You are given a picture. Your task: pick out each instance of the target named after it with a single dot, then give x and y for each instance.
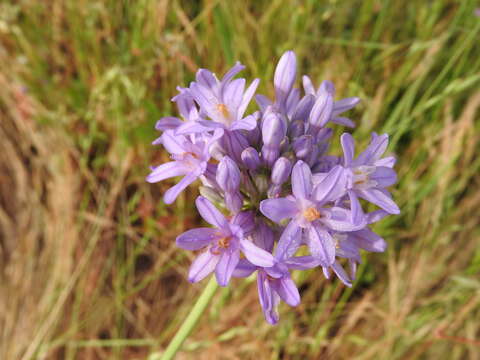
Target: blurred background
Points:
(88, 263)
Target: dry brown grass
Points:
(88, 266)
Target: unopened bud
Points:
(250, 158)
(323, 107)
(273, 129)
(228, 175)
(281, 171)
(284, 77)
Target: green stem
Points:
(191, 320)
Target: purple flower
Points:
(190, 160)
(322, 108)
(224, 102)
(339, 106)
(307, 210)
(348, 245)
(368, 175)
(187, 109)
(221, 246)
(275, 283)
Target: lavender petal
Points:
(167, 170)
(168, 123)
(342, 275)
(256, 255)
(202, 266)
(225, 267)
(379, 198)
(332, 186)
(301, 180)
(172, 193)
(321, 245)
(348, 146)
(288, 291)
(210, 213)
(278, 209)
(196, 239)
(244, 269)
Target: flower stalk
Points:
(191, 320)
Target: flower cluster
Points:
(270, 186)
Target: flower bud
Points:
(284, 77)
(250, 158)
(323, 107)
(273, 129)
(228, 175)
(281, 171)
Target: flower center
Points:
(224, 242)
(222, 109)
(361, 176)
(311, 214)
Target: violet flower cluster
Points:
(270, 188)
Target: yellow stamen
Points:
(224, 242)
(311, 214)
(222, 108)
